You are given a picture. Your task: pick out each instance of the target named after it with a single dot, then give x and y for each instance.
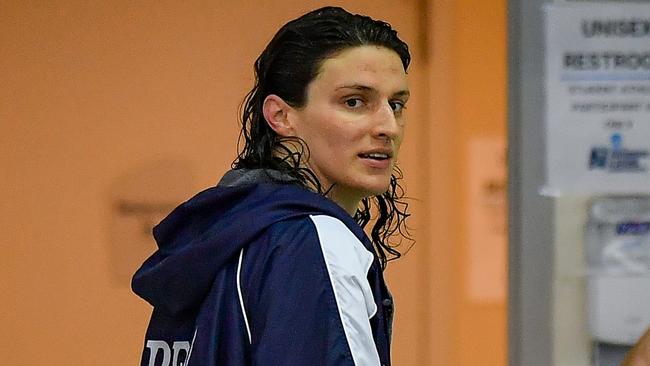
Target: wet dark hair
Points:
(285, 68)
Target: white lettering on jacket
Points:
(167, 352)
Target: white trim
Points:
(189, 353)
(347, 262)
(241, 298)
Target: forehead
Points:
(372, 66)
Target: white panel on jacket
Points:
(348, 262)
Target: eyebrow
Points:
(402, 93)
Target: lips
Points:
(377, 155)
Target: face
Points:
(353, 122)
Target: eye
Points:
(397, 105)
(354, 102)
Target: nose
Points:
(387, 126)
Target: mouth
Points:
(378, 156)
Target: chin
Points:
(376, 189)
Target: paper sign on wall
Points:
(598, 99)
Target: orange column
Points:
(467, 93)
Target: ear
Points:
(276, 112)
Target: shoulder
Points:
(316, 252)
(341, 248)
(327, 232)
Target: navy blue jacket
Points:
(261, 271)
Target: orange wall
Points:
(94, 93)
(467, 94)
(480, 110)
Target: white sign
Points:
(598, 99)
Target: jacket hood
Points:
(203, 234)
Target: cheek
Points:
(330, 134)
(399, 139)
(331, 145)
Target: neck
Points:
(347, 202)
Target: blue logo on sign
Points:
(617, 141)
(632, 228)
(616, 158)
